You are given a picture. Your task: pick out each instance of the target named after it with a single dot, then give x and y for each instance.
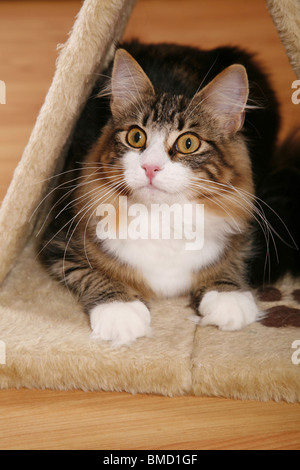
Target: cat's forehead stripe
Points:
(145, 119)
(181, 123)
(166, 109)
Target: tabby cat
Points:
(164, 125)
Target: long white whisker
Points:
(218, 203)
(74, 201)
(93, 212)
(265, 226)
(85, 209)
(259, 202)
(73, 188)
(62, 228)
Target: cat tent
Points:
(44, 335)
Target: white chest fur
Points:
(167, 264)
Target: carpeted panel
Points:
(255, 363)
(48, 345)
(286, 17)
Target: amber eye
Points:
(136, 138)
(188, 143)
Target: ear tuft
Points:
(129, 82)
(226, 96)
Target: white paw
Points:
(228, 310)
(120, 322)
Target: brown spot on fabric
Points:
(269, 294)
(296, 295)
(281, 316)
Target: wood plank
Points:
(32, 419)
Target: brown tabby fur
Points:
(68, 246)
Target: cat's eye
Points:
(136, 138)
(188, 143)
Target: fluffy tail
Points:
(278, 247)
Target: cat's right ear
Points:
(225, 97)
(129, 83)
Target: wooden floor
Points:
(29, 33)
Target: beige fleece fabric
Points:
(286, 17)
(44, 335)
(48, 345)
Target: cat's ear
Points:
(225, 97)
(129, 82)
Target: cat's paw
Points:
(120, 322)
(228, 310)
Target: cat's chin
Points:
(153, 195)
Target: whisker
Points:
(88, 221)
(218, 203)
(73, 188)
(73, 202)
(89, 202)
(257, 209)
(277, 215)
(51, 192)
(95, 200)
(69, 222)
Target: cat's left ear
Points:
(129, 83)
(225, 97)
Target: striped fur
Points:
(171, 93)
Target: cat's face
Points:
(161, 148)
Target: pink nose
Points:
(151, 170)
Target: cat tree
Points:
(45, 333)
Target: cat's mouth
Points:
(153, 187)
(154, 194)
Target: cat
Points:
(167, 125)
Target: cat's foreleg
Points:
(117, 314)
(225, 304)
(120, 322)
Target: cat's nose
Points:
(151, 170)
